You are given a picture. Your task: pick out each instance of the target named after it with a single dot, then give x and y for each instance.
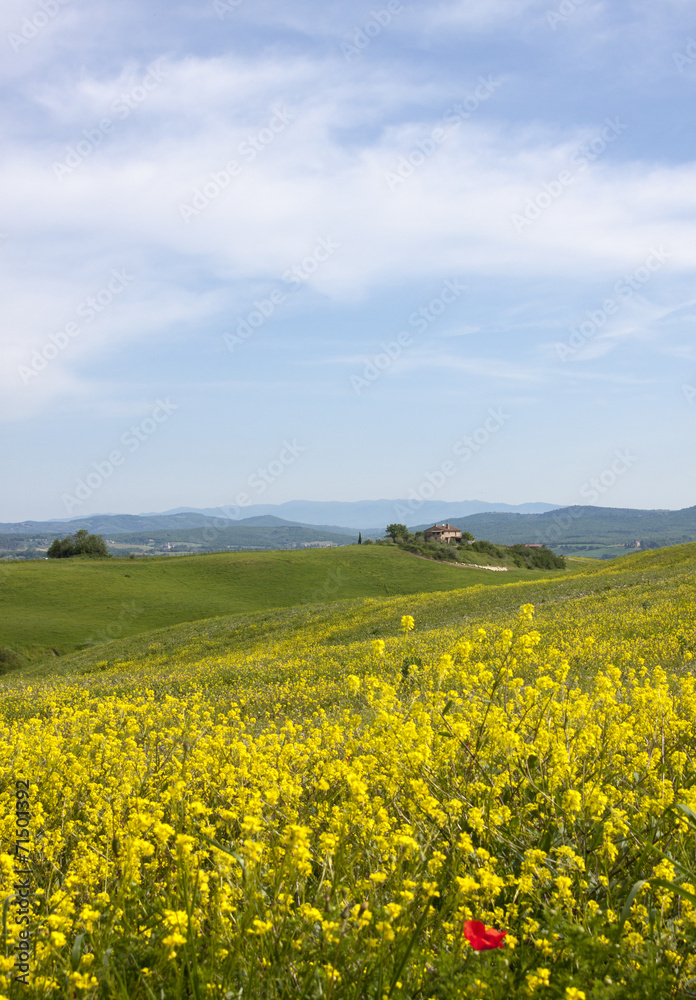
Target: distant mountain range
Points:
(587, 530)
(117, 524)
(571, 526)
(364, 514)
(360, 515)
(109, 524)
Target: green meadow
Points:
(192, 607)
(59, 606)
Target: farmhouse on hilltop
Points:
(442, 533)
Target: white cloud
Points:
(318, 176)
(490, 368)
(480, 14)
(685, 352)
(461, 331)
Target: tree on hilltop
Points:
(79, 544)
(396, 531)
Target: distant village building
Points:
(442, 533)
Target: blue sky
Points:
(335, 240)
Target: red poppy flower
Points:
(482, 938)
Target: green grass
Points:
(64, 605)
(356, 619)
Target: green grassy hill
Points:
(66, 604)
(318, 801)
(587, 584)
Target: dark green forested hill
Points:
(572, 529)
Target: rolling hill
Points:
(524, 738)
(61, 605)
(341, 618)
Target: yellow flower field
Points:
(318, 818)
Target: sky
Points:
(255, 251)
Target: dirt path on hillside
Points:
(446, 562)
